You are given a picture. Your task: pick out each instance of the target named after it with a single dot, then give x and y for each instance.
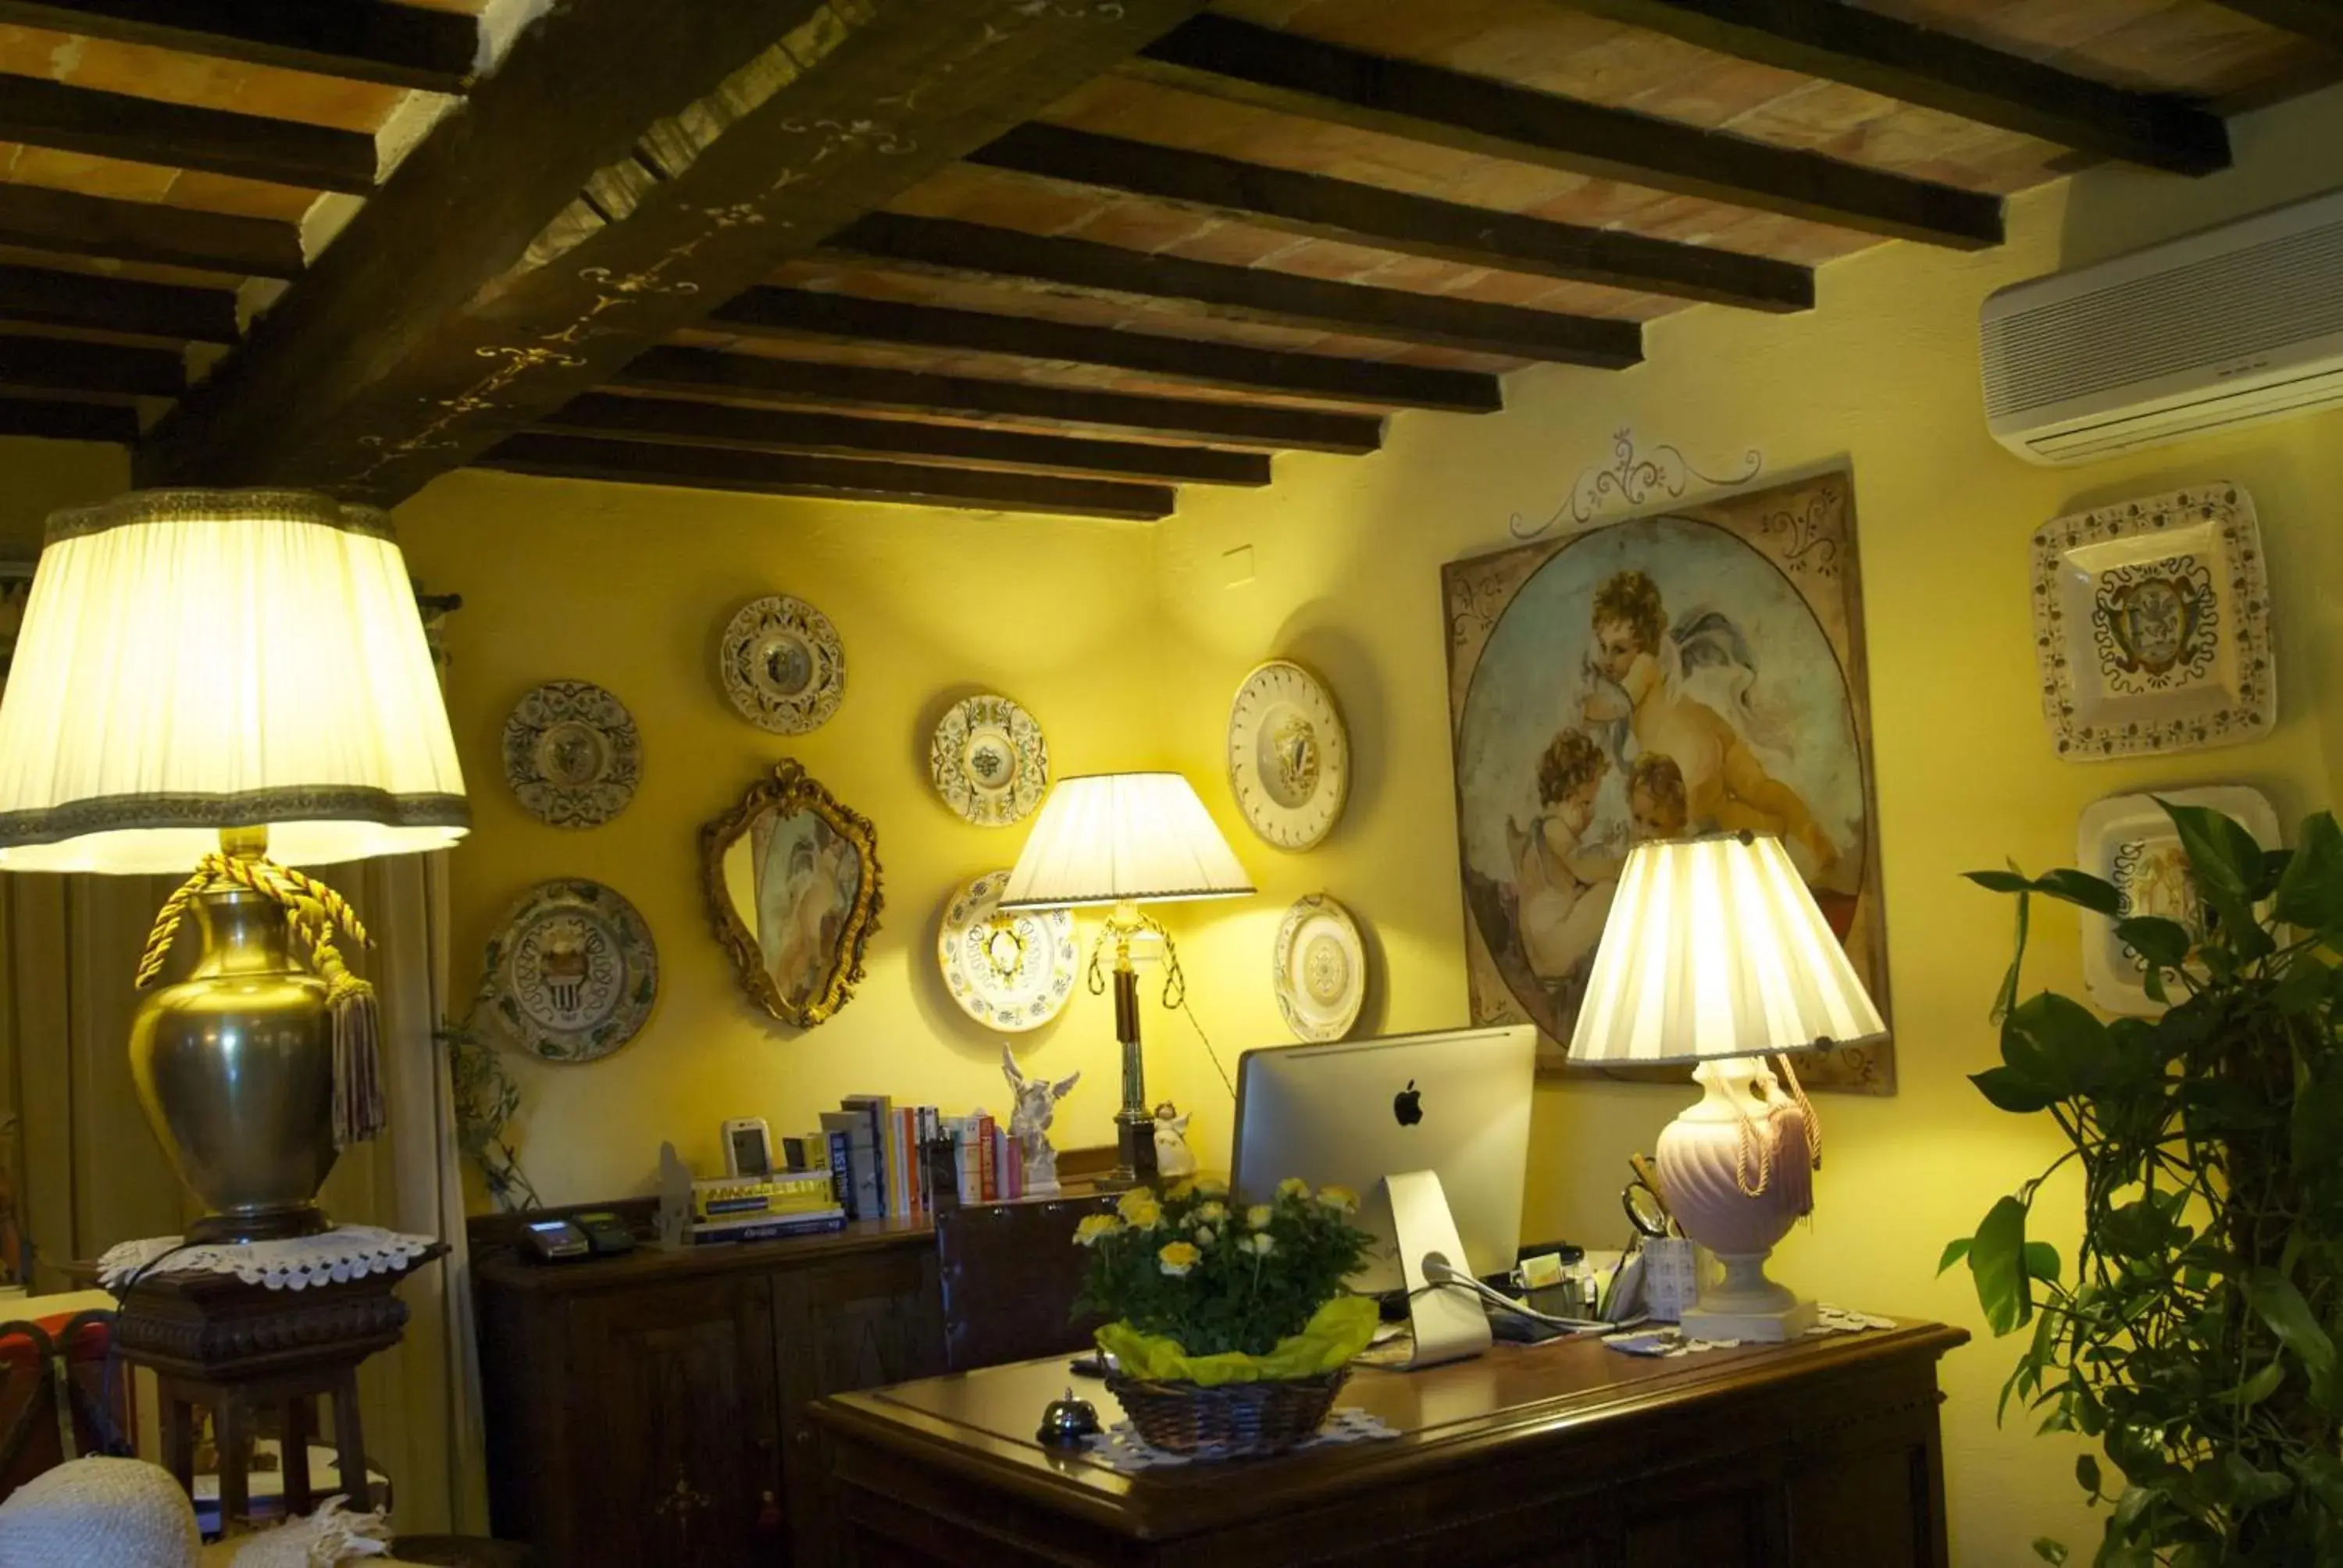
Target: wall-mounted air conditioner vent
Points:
(2240, 323)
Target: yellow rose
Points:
(1176, 1258)
(1293, 1186)
(1263, 1243)
(1211, 1214)
(1139, 1210)
(1260, 1215)
(1341, 1200)
(1205, 1235)
(1181, 1189)
(1094, 1228)
(1212, 1189)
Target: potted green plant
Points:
(2194, 1337)
(1230, 1325)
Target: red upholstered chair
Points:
(55, 1401)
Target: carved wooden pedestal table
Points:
(239, 1339)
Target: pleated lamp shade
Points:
(196, 659)
(1714, 949)
(1111, 838)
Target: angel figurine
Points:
(1037, 1104)
(1174, 1157)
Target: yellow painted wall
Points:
(1883, 376)
(629, 587)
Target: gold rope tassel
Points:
(313, 910)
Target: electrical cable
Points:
(1446, 1275)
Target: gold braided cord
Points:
(313, 910)
(1805, 1106)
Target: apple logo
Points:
(1407, 1105)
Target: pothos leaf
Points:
(1997, 1263)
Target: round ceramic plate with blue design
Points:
(1011, 971)
(572, 972)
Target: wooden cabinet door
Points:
(675, 1424)
(853, 1322)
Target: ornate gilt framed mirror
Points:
(792, 883)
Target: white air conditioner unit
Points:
(2239, 323)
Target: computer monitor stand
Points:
(1449, 1322)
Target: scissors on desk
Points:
(1646, 1209)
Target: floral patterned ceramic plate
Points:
(1012, 971)
(781, 665)
(2129, 840)
(2151, 625)
(572, 754)
(1289, 755)
(1319, 970)
(988, 762)
(574, 973)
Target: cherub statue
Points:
(1174, 1157)
(1037, 1103)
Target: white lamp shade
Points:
(1108, 837)
(1714, 949)
(195, 659)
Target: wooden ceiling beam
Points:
(796, 313)
(40, 113)
(1898, 59)
(2320, 21)
(833, 479)
(104, 370)
(1236, 61)
(1326, 209)
(946, 247)
(626, 167)
(667, 419)
(68, 421)
(762, 381)
(38, 218)
(40, 296)
(361, 40)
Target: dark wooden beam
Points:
(68, 421)
(945, 247)
(38, 297)
(760, 381)
(1896, 59)
(667, 419)
(1364, 215)
(837, 478)
(795, 313)
(89, 369)
(1222, 57)
(2320, 21)
(45, 113)
(363, 40)
(38, 218)
(626, 167)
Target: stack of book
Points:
(893, 1161)
(763, 1208)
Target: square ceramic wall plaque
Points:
(2129, 841)
(2151, 626)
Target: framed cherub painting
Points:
(1695, 670)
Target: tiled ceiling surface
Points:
(2193, 49)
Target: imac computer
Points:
(1432, 1131)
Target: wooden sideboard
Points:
(651, 1411)
(1822, 1453)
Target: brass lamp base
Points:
(260, 1225)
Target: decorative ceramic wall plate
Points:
(1008, 970)
(781, 665)
(1320, 969)
(2151, 624)
(2129, 840)
(572, 754)
(988, 762)
(1289, 755)
(573, 973)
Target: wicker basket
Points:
(1236, 1418)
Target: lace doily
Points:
(1120, 1446)
(1671, 1341)
(330, 1258)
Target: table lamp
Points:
(1715, 953)
(1124, 840)
(202, 678)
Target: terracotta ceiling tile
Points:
(30, 52)
(1140, 225)
(1233, 244)
(246, 198)
(89, 175)
(1008, 201)
(106, 266)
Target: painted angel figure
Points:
(1682, 692)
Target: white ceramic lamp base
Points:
(1700, 1165)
